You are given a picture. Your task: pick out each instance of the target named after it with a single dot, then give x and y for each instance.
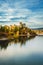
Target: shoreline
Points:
(17, 31)
(39, 32)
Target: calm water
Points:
(22, 52)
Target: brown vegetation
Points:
(16, 31)
(38, 32)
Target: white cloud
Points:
(0, 17)
(37, 17)
(26, 3)
(6, 19)
(15, 13)
(4, 7)
(25, 14)
(19, 10)
(19, 4)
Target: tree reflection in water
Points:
(3, 44)
(22, 40)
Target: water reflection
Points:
(29, 53)
(22, 40)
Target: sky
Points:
(29, 11)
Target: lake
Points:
(22, 52)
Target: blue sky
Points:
(30, 11)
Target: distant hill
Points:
(37, 28)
